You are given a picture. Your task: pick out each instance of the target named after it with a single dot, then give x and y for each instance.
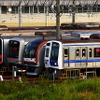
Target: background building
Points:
(42, 12)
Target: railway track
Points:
(5, 77)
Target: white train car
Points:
(72, 54)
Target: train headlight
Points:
(55, 63)
(46, 62)
(18, 62)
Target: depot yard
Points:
(68, 89)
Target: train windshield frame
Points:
(31, 48)
(54, 51)
(13, 49)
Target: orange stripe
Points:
(37, 51)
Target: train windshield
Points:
(0, 46)
(30, 49)
(54, 51)
(13, 49)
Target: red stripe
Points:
(29, 62)
(12, 58)
(0, 56)
(1, 62)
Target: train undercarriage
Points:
(73, 73)
(55, 73)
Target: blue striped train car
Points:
(71, 54)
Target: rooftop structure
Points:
(47, 9)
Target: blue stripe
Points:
(75, 61)
(82, 61)
(52, 62)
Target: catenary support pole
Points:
(58, 19)
(20, 13)
(73, 12)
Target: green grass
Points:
(70, 89)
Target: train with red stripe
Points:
(15, 54)
(23, 54)
(33, 58)
(54, 56)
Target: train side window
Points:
(65, 52)
(77, 52)
(47, 52)
(83, 52)
(96, 52)
(90, 52)
(48, 44)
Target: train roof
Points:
(37, 40)
(17, 39)
(95, 36)
(79, 41)
(85, 32)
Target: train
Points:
(54, 57)
(34, 56)
(73, 54)
(16, 51)
(84, 34)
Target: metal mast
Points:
(73, 12)
(58, 19)
(20, 12)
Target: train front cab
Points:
(34, 57)
(15, 55)
(77, 56)
(53, 58)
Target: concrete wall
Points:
(45, 20)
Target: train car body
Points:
(84, 34)
(3, 50)
(16, 48)
(34, 56)
(72, 54)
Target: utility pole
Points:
(20, 12)
(58, 19)
(73, 12)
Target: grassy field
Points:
(67, 90)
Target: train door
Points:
(84, 57)
(90, 57)
(47, 55)
(78, 57)
(66, 57)
(81, 57)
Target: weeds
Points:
(67, 90)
